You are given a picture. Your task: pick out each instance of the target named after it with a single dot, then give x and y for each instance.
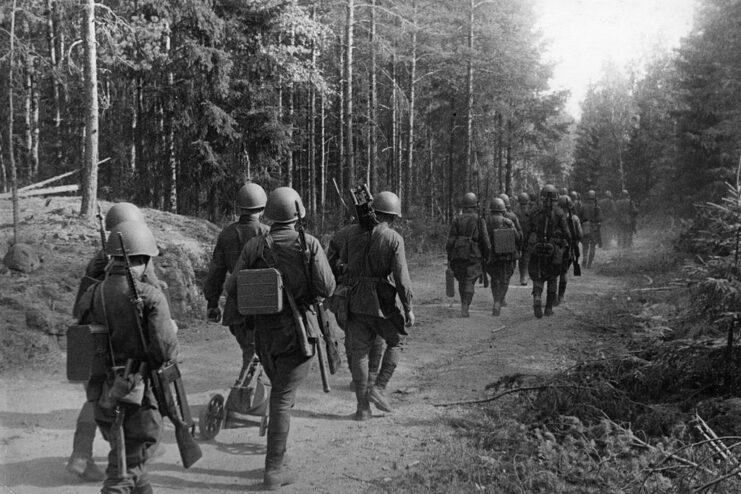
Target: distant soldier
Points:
(81, 461)
(576, 201)
(570, 254)
(523, 216)
(467, 247)
(548, 237)
(340, 275)
(276, 340)
(110, 303)
(377, 271)
(504, 251)
(251, 201)
(625, 219)
(591, 222)
(510, 215)
(607, 206)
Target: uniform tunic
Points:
(546, 268)
(466, 231)
(142, 423)
(499, 266)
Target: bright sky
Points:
(583, 34)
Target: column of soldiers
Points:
(550, 233)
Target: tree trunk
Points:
(35, 125)
(341, 133)
(373, 103)
(3, 171)
(11, 155)
(469, 97)
(508, 172)
(90, 167)
(430, 164)
(391, 173)
(348, 112)
(312, 130)
(500, 151)
(410, 136)
(28, 133)
(323, 160)
(170, 142)
(51, 8)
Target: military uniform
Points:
(276, 340)
(510, 215)
(607, 207)
(625, 215)
(499, 266)
(338, 269)
(467, 246)
(373, 258)
(523, 216)
(228, 248)
(548, 238)
(591, 220)
(575, 232)
(142, 423)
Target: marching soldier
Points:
(109, 303)
(503, 252)
(625, 219)
(591, 219)
(251, 201)
(372, 258)
(607, 206)
(576, 201)
(510, 215)
(276, 339)
(467, 246)
(570, 253)
(523, 216)
(81, 461)
(547, 234)
(338, 269)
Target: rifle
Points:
(482, 219)
(162, 377)
(119, 439)
(362, 198)
(101, 228)
(323, 341)
(575, 244)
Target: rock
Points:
(22, 257)
(39, 320)
(175, 268)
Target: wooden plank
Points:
(54, 179)
(43, 192)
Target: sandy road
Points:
(446, 358)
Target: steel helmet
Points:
(591, 195)
(504, 197)
(548, 193)
(564, 201)
(608, 194)
(625, 193)
(137, 237)
(523, 198)
(251, 196)
(120, 212)
(497, 205)
(469, 200)
(564, 191)
(574, 195)
(281, 205)
(387, 202)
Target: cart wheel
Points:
(211, 417)
(263, 425)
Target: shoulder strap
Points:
(105, 317)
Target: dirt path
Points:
(446, 359)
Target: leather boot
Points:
(363, 412)
(274, 479)
(372, 376)
(496, 310)
(561, 292)
(277, 474)
(537, 306)
(550, 297)
(375, 396)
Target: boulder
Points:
(22, 257)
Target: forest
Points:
(175, 104)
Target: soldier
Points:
(570, 253)
(339, 271)
(81, 461)
(607, 206)
(372, 258)
(510, 215)
(547, 237)
(467, 246)
(501, 259)
(591, 219)
(625, 219)
(109, 303)
(576, 201)
(251, 201)
(523, 216)
(276, 339)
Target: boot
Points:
(363, 412)
(464, 311)
(523, 281)
(375, 396)
(497, 309)
(561, 293)
(372, 376)
(550, 297)
(537, 306)
(274, 479)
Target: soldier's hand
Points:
(409, 318)
(213, 314)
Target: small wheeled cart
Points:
(246, 406)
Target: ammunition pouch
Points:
(122, 388)
(545, 249)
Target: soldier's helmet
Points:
(564, 202)
(120, 212)
(548, 193)
(574, 195)
(608, 194)
(469, 200)
(504, 197)
(251, 196)
(523, 198)
(388, 202)
(137, 240)
(564, 191)
(533, 196)
(281, 206)
(497, 205)
(625, 193)
(591, 195)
